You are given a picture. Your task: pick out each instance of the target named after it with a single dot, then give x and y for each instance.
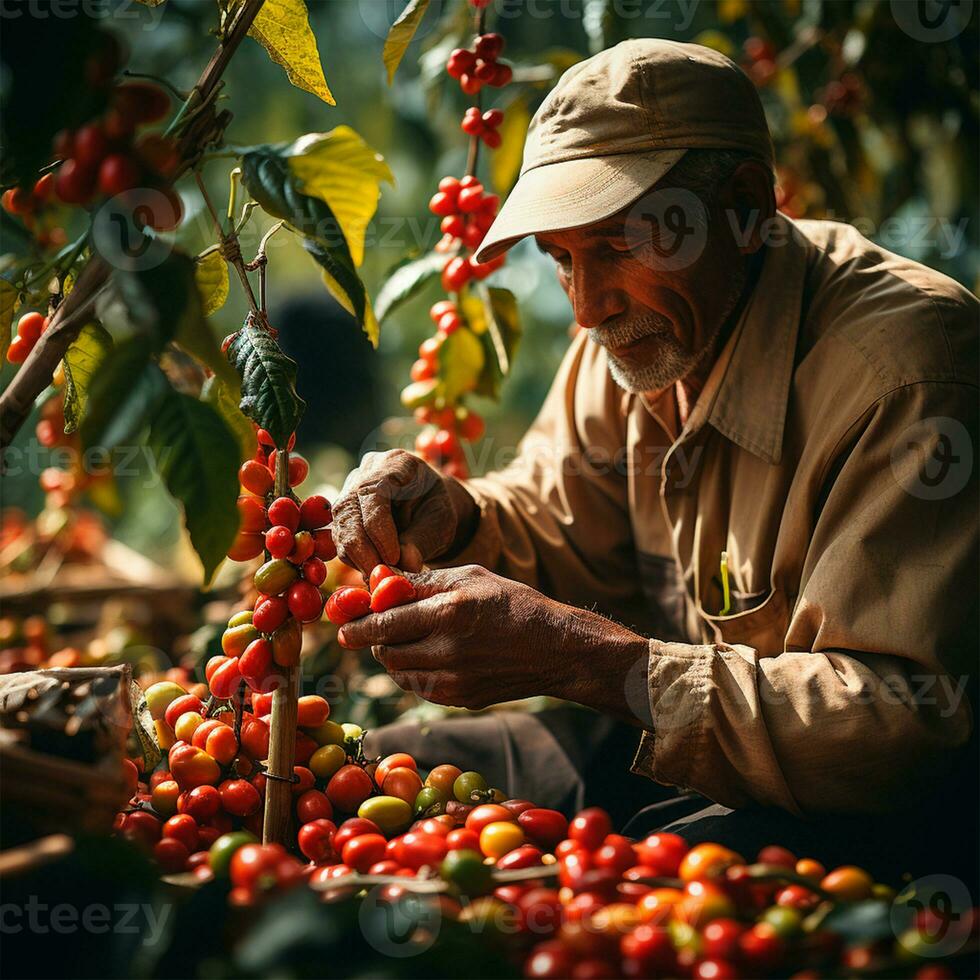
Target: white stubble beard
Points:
(672, 362)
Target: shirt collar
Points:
(750, 401)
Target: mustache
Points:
(621, 334)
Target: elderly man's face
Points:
(658, 315)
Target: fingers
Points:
(432, 527)
(440, 687)
(411, 558)
(437, 581)
(378, 521)
(403, 624)
(425, 654)
(354, 545)
(388, 494)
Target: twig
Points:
(37, 370)
(261, 261)
(230, 250)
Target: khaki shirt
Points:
(831, 455)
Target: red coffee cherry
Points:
(315, 512)
(284, 511)
(305, 601)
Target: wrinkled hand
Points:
(472, 639)
(396, 509)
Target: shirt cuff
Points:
(678, 681)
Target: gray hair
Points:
(703, 171)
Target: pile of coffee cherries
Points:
(589, 903)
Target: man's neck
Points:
(690, 387)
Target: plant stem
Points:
(282, 728)
(229, 245)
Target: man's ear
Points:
(749, 201)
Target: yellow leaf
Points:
(8, 300)
(505, 164)
(371, 327)
(345, 173)
(282, 27)
(401, 34)
(211, 276)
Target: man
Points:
(757, 454)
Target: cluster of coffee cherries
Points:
(483, 124)
(33, 207)
(445, 430)
(104, 157)
(29, 328)
(467, 211)
(297, 542)
(386, 589)
(478, 66)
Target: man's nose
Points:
(595, 296)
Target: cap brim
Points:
(573, 193)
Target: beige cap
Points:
(615, 124)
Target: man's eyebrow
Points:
(611, 226)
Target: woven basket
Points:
(42, 792)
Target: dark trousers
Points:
(568, 758)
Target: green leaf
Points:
(194, 333)
(400, 35)
(143, 727)
(268, 376)
(405, 280)
(8, 303)
(123, 395)
(15, 239)
(505, 163)
(197, 455)
(282, 27)
(159, 299)
(866, 921)
(492, 312)
(269, 179)
(211, 276)
(215, 392)
(345, 173)
(81, 362)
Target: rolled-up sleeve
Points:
(867, 703)
(557, 516)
